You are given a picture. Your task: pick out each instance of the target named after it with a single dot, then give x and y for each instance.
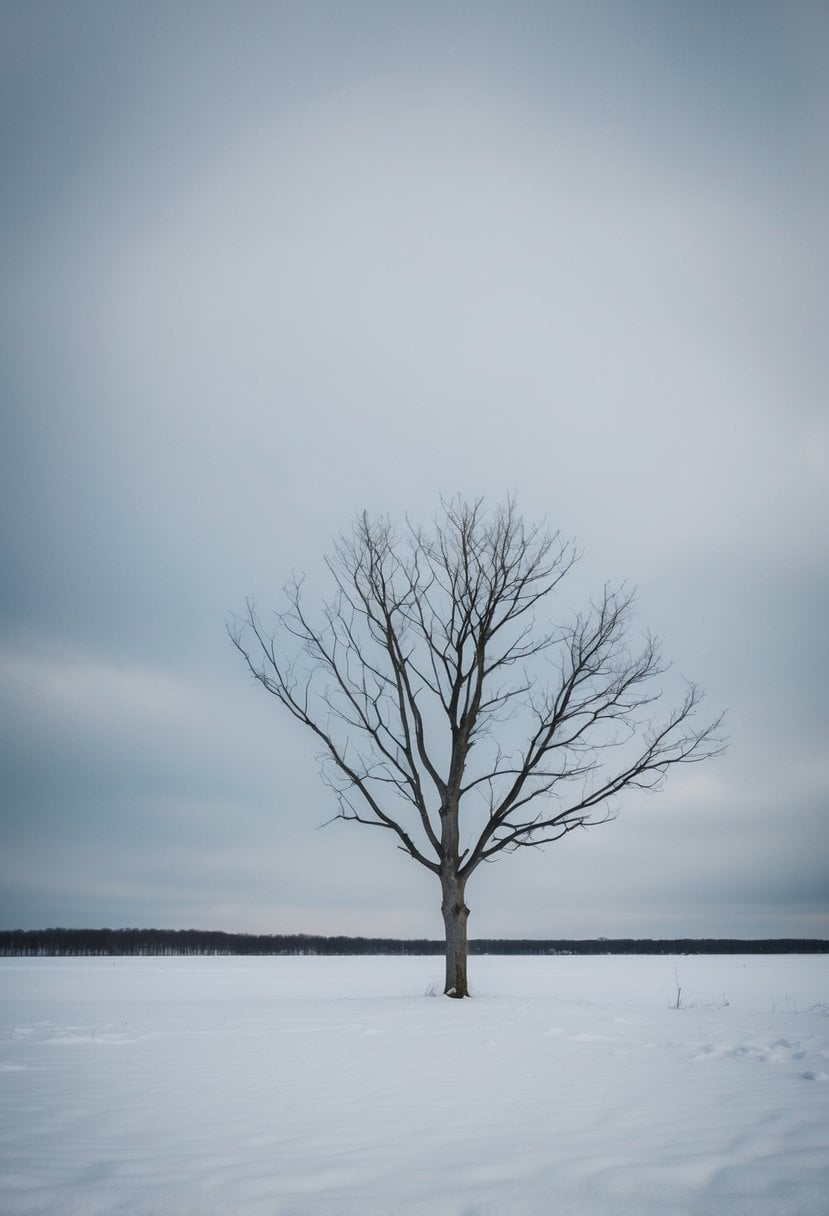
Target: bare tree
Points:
(450, 714)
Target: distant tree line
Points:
(62, 943)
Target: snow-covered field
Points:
(338, 1087)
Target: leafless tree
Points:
(451, 713)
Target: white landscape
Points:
(567, 1086)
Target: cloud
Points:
(261, 271)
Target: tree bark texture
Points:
(455, 917)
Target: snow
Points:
(339, 1087)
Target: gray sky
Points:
(265, 265)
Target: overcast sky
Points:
(267, 264)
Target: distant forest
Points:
(59, 943)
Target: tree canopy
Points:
(454, 710)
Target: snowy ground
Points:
(338, 1087)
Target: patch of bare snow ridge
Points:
(335, 1087)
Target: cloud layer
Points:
(266, 267)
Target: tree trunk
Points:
(455, 915)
